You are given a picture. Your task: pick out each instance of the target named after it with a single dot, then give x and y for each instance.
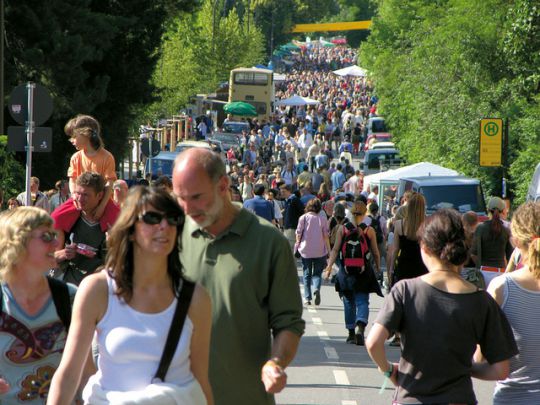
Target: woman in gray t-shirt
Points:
(441, 319)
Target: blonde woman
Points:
(131, 305)
(32, 333)
(409, 262)
(518, 294)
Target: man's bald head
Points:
(195, 159)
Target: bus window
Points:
(251, 78)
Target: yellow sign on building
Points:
(491, 140)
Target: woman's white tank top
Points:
(131, 344)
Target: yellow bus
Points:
(254, 86)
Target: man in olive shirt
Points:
(248, 269)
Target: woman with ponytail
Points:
(441, 318)
(518, 294)
(84, 132)
(491, 245)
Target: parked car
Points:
(534, 188)
(235, 127)
(226, 140)
(459, 192)
(380, 160)
(376, 138)
(163, 163)
(376, 125)
(382, 145)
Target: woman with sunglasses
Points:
(32, 335)
(131, 305)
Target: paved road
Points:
(327, 371)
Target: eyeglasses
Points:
(357, 214)
(154, 218)
(47, 237)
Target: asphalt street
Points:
(327, 371)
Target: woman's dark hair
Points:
(120, 254)
(443, 235)
(314, 205)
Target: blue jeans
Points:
(313, 269)
(356, 308)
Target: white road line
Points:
(347, 402)
(331, 353)
(317, 321)
(323, 335)
(312, 310)
(341, 377)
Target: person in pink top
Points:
(84, 132)
(313, 244)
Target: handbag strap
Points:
(182, 306)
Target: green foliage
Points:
(12, 176)
(438, 72)
(198, 53)
(95, 57)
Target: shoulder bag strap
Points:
(182, 306)
(61, 299)
(479, 251)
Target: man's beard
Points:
(213, 214)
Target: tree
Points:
(438, 71)
(95, 57)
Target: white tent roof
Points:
(415, 170)
(297, 100)
(351, 71)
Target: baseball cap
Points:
(496, 203)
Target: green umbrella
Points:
(240, 108)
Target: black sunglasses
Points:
(154, 218)
(47, 236)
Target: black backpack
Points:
(61, 299)
(376, 225)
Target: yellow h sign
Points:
(491, 133)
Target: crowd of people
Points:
(95, 274)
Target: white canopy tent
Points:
(351, 71)
(297, 101)
(389, 180)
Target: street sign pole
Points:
(29, 134)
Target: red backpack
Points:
(354, 248)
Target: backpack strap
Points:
(61, 299)
(182, 306)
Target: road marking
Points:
(341, 377)
(323, 335)
(347, 402)
(317, 321)
(331, 353)
(312, 310)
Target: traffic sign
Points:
(145, 147)
(491, 137)
(18, 104)
(42, 139)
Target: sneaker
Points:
(317, 295)
(306, 303)
(351, 338)
(359, 334)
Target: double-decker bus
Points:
(254, 86)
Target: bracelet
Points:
(388, 373)
(274, 361)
